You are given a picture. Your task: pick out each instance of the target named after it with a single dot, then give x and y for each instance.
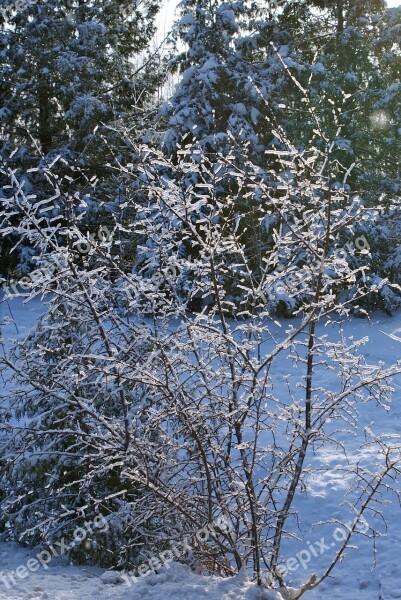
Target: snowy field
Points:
(369, 572)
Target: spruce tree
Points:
(350, 53)
(246, 73)
(230, 77)
(72, 70)
(68, 68)
(226, 103)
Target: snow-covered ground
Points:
(73, 583)
(369, 572)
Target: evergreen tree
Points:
(325, 71)
(71, 71)
(183, 422)
(346, 77)
(227, 102)
(231, 77)
(60, 481)
(351, 81)
(68, 67)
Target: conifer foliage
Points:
(68, 69)
(151, 389)
(169, 420)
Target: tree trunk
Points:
(340, 16)
(44, 130)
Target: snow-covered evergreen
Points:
(161, 388)
(71, 71)
(169, 421)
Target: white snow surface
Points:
(60, 582)
(367, 573)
